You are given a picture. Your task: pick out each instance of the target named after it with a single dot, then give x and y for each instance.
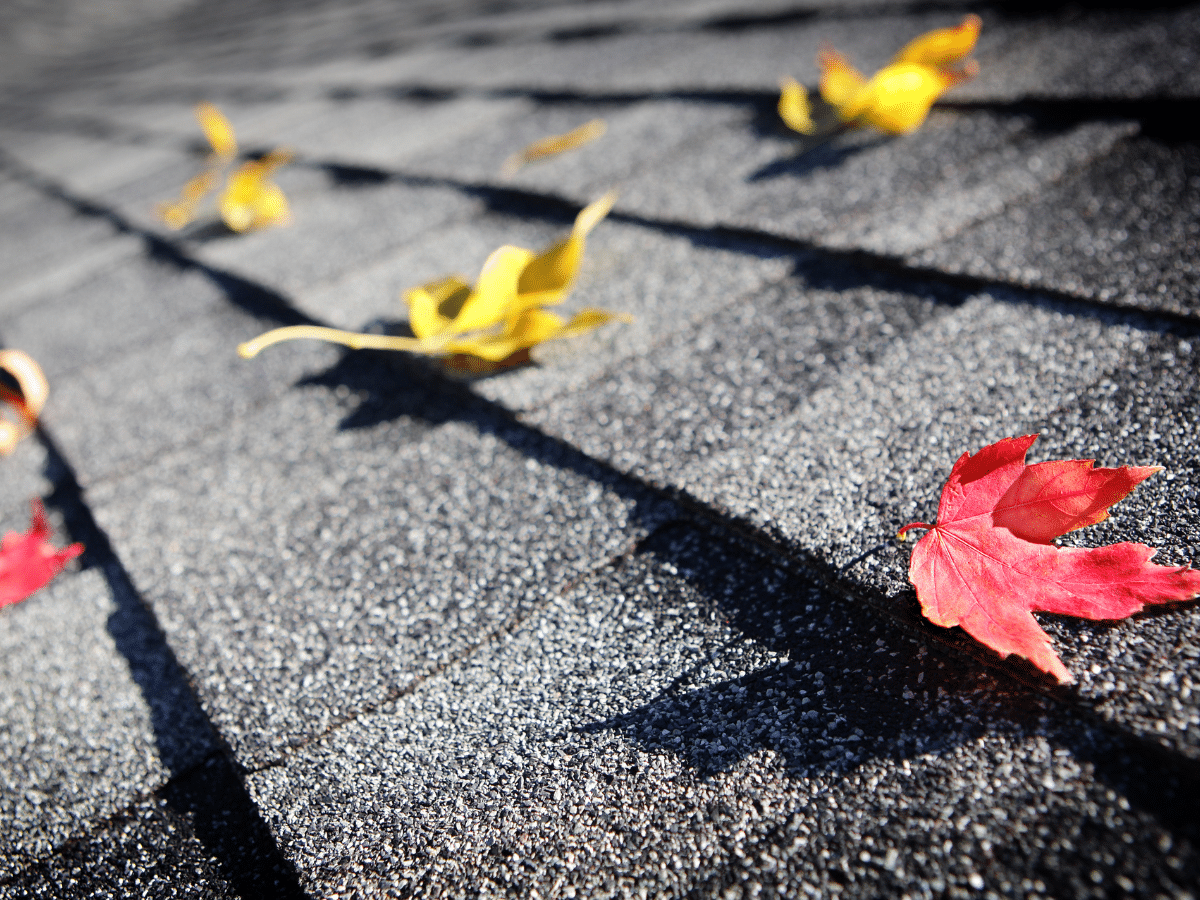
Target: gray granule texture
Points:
(395, 543)
(89, 722)
(1123, 230)
(147, 850)
(696, 719)
(630, 620)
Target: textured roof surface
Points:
(630, 621)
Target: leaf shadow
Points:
(817, 155)
(853, 688)
(390, 387)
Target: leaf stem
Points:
(900, 533)
(354, 341)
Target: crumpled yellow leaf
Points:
(794, 108)
(249, 199)
(25, 403)
(497, 319)
(942, 47)
(898, 97)
(218, 131)
(554, 145)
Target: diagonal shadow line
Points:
(205, 786)
(370, 369)
(265, 303)
(556, 207)
(251, 297)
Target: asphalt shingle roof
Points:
(630, 621)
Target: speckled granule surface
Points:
(630, 621)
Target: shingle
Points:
(457, 635)
(1123, 229)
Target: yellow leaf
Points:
(942, 46)
(794, 108)
(249, 200)
(554, 145)
(549, 276)
(218, 131)
(496, 321)
(898, 97)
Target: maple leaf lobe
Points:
(28, 561)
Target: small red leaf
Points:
(29, 561)
(988, 563)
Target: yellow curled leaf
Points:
(841, 83)
(433, 306)
(554, 145)
(26, 402)
(549, 275)
(942, 46)
(495, 322)
(794, 108)
(249, 200)
(897, 99)
(218, 131)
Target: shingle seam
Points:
(507, 627)
(524, 202)
(954, 645)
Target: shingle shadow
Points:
(393, 386)
(855, 688)
(204, 789)
(812, 156)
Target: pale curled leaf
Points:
(22, 406)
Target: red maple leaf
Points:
(989, 563)
(28, 561)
